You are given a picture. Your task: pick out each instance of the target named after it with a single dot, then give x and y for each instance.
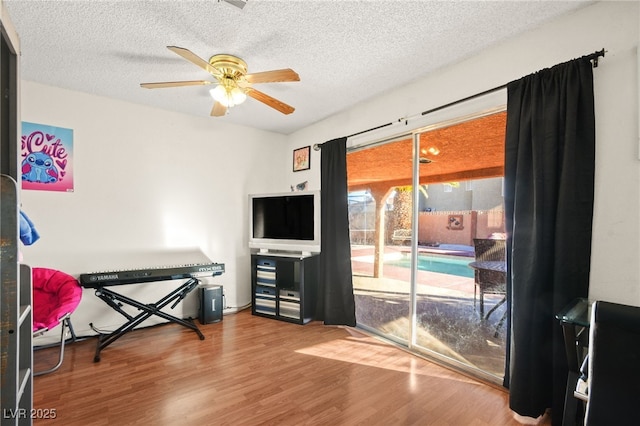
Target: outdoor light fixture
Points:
(432, 150)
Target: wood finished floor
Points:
(250, 371)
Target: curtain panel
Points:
(549, 185)
(336, 302)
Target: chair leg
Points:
(71, 330)
(475, 290)
(504, 299)
(64, 323)
(500, 324)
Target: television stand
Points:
(284, 287)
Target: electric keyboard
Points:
(134, 276)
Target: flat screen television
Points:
(285, 222)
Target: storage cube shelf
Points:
(284, 287)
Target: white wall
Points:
(148, 182)
(615, 270)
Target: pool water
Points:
(443, 265)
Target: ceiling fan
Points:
(233, 84)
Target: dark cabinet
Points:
(284, 287)
(16, 328)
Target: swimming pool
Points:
(443, 265)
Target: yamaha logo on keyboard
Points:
(213, 268)
(104, 277)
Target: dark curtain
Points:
(336, 304)
(549, 179)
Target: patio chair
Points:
(56, 295)
(490, 271)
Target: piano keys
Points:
(134, 276)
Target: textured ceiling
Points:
(344, 51)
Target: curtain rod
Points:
(592, 57)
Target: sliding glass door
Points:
(419, 207)
(381, 236)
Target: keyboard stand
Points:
(114, 300)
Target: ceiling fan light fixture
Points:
(218, 93)
(227, 95)
(238, 95)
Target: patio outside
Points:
(448, 318)
(449, 325)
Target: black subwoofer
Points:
(210, 304)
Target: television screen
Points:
(284, 217)
(285, 222)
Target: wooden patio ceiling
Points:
(469, 150)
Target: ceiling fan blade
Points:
(164, 84)
(237, 3)
(218, 110)
(269, 101)
(195, 59)
(275, 76)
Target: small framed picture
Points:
(302, 159)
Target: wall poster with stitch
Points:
(46, 156)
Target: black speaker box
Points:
(210, 304)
